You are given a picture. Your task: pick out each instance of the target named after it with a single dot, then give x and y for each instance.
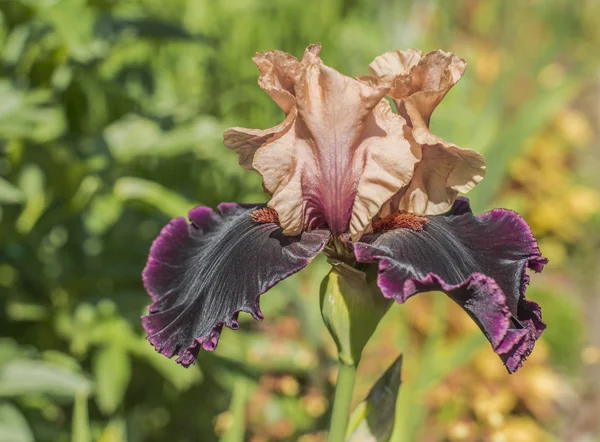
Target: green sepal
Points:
(352, 306)
(373, 419)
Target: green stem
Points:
(342, 402)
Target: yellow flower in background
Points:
(544, 179)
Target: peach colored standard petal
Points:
(277, 73)
(395, 62)
(287, 166)
(245, 142)
(315, 170)
(421, 82)
(443, 172)
(389, 161)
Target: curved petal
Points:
(389, 162)
(289, 172)
(420, 84)
(277, 73)
(479, 261)
(245, 142)
(202, 274)
(342, 159)
(395, 62)
(443, 172)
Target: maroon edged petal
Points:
(478, 261)
(200, 275)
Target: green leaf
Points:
(254, 351)
(16, 42)
(134, 136)
(103, 212)
(29, 114)
(373, 418)
(73, 22)
(87, 189)
(38, 377)
(13, 426)
(112, 372)
(81, 421)
(566, 341)
(436, 361)
(167, 201)
(25, 311)
(180, 377)
(452, 357)
(411, 409)
(237, 419)
(150, 28)
(115, 431)
(32, 186)
(9, 194)
(9, 350)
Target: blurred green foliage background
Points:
(111, 120)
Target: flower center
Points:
(264, 216)
(410, 221)
(400, 221)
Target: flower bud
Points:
(351, 306)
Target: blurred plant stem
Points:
(342, 402)
(351, 308)
(237, 428)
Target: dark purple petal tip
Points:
(201, 274)
(479, 261)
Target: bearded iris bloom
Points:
(370, 187)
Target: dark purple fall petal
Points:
(479, 261)
(202, 274)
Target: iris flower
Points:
(370, 187)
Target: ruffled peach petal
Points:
(395, 62)
(245, 141)
(443, 172)
(389, 160)
(335, 110)
(421, 82)
(285, 164)
(344, 156)
(277, 73)
(430, 81)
